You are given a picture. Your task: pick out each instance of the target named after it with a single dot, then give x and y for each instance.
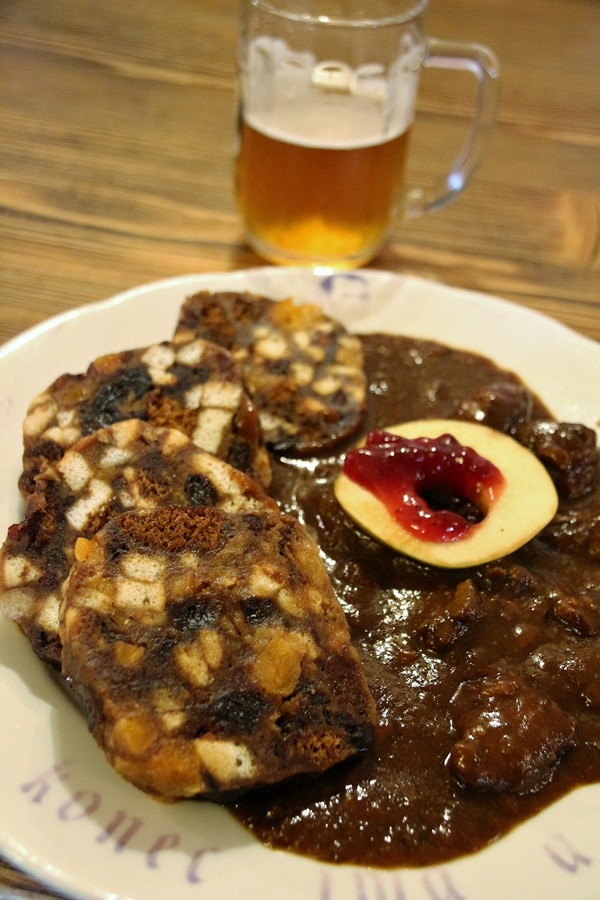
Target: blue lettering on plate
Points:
(120, 828)
(375, 886)
(565, 855)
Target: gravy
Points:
(446, 652)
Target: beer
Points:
(327, 97)
(329, 205)
(322, 153)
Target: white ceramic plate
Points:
(68, 819)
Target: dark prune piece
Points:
(114, 400)
(200, 491)
(193, 613)
(239, 711)
(258, 610)
(239, 456)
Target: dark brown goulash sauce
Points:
(534, 616)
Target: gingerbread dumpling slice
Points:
(303, 369)
(209, 652)
(129, 465)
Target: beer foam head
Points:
(292, 96)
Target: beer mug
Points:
(327, 92)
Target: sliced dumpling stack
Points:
(195, 623)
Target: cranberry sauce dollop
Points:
(486, 680)
(434, 487)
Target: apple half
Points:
(512, 515)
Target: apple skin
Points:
(527, 502)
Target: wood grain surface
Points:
(117, 136)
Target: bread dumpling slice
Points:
(194, 386)
(129, 465)
(209, 652)
(304, 370)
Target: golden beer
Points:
(325, 205)
(327, 95)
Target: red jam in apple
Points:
(434, 487)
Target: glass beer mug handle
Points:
(481, 62)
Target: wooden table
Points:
(117, 129)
